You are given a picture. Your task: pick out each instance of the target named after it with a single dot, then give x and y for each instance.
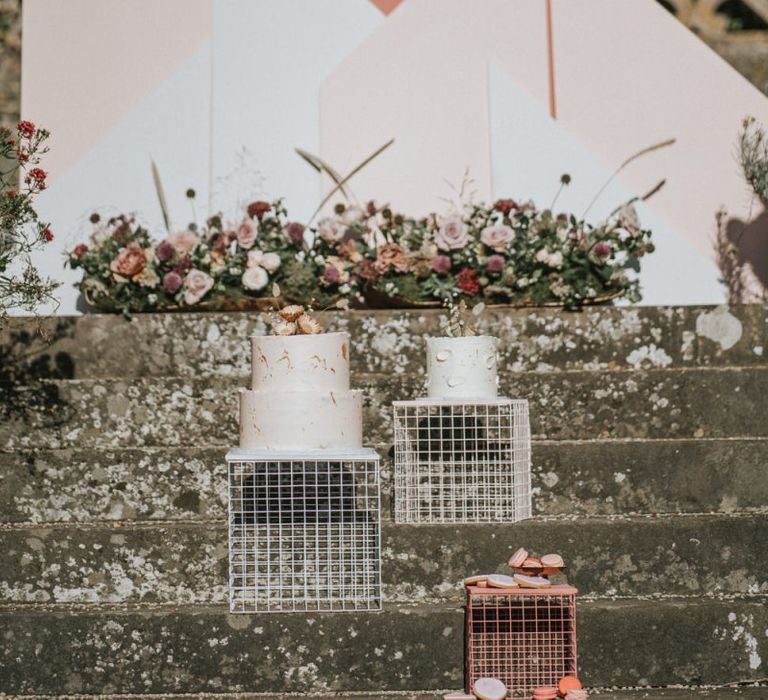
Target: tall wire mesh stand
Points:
(524, 637)
(304, 531)
(462, 462)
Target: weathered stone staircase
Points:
(651, 477)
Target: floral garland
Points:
(507, 253)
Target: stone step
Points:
(690, 403)
(100, 346)
(187, 563)
(745, 692)
(569, 478)
(206, 650)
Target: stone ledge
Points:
(622, 643)
(93, 346)
(602, 477)
(691, 403)
(186, 564)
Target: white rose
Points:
(270, 261)
(196, 285)
(542, 256)
(555, 259)
(330, 230)
(255, 278)
(254, 258)
(452, 233)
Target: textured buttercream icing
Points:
(300, 397)
(308, 363)
(462, 368)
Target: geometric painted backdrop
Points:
(219, 92)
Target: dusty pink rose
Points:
(331, 275)
(452, 233)
(495, 263)
(196, 285)
(184, 241)
(391, 256)
(247, 233)
(497, 237)
(441, 264)
(172, 282)
(130, 261)
(600, 252)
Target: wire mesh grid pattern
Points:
(304, 533)
(458, 462)
(525, 638)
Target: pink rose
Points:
(130, 261)
(497, 237)
(196, 285)
(255, 278)
(247, 233)
(184, 241)
(441, 264)
(495, 263)
(172, 282)
(452, 233)
(330, 230)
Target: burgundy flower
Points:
(26, 129)
(184, 265)
(122, 231)
(495, 263)
(505, 205)
(219, 241)
(38, 175)
(294, 232)
(600, 252)
(331, 274)
(47, 234)
(258, 209)
(80, 250)
(467, 282)
(172, 282)
(165, 251)
(441, 264)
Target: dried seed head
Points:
(284, 328)
(291, 312)
(308, 325)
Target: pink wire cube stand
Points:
(525, 637)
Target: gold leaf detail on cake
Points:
(291, 312)
(344, 350)
(308, 325)
(284, 328)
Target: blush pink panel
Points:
(629, 75)
(86, 63)
(422, 78)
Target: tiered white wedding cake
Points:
(300, 396)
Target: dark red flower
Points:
(11, 193)
(505, 205)
(122, 232)
(467, 282)
(21, 155)
(46, 234)
(294, 232)
(80, 250)
(184, 265)
(165, 251)
(26, 129)
(258, 209)
(38, 175)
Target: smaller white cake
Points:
(462, 368)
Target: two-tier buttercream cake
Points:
(300, 396)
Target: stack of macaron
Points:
(527, 572)
(482, 689)
(568, 687)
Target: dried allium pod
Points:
(291, 312)
(308, 325)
